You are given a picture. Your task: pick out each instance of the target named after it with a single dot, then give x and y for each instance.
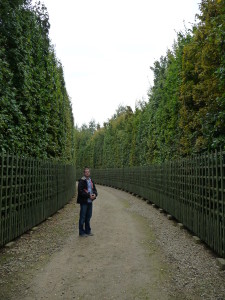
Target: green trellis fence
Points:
(31, 190)
(192, 190)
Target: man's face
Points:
(86, 172)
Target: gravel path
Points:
(136, 253)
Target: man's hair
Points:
(85, 168)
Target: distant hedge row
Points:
(185, 112)
(35, 110)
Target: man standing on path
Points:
(87, 193)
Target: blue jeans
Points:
(85, 217)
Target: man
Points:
(87, 193)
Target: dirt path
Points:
(120, 261)
(135, 253)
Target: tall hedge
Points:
(35, 110)
(203, 82)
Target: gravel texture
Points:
(194, 270)
(20, 263)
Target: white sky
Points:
(107, 47)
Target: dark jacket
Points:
(83, 193)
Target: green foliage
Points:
(163, 109)
(185, 112)
(203, 82)
(35, 110)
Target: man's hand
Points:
(92, 196)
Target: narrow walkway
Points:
(135, 253)
(118, 262)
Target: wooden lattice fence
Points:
(191, 189)
(31, 190)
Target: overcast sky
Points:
(107, 47)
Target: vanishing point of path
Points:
(135, 253)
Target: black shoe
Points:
(90, 234)
(83, 234)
